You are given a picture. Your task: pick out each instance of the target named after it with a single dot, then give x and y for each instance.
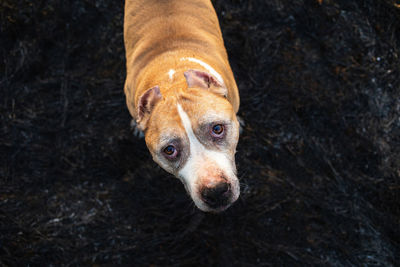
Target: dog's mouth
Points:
(216, 207)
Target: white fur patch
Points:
(171, 73)
(206, 66)
(197, 158)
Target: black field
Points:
(318, 161)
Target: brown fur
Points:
(158, 33)
(161, 35)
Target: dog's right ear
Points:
(146, 105)
(204, 80)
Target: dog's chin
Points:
(203, 206)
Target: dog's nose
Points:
(216, 196)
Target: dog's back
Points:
(159, 32)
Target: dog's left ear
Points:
(146, 105)
(204, 80)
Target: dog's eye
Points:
(170, 151)
(217, 130)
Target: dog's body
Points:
(181, 91)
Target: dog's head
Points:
(193, 134)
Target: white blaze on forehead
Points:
(210, 69)
(189, 131)
(171, 73)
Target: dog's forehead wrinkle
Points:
(185, 97)
(168, 139)
(215, 118)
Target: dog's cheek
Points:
(163, 163)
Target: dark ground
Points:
(319, 159)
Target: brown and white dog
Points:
(181, 92)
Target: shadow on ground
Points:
(318, 161)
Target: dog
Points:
(181, 93)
